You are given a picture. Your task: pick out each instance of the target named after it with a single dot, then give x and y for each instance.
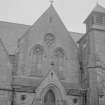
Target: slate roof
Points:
(76, 36)
(10, 32)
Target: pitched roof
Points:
(51, 15)
(99, 8)
(10, 32)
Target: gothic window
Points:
(49, 39)
(37, 57)
(59, 52)
(59, 55)
(49, 98)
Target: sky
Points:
(72, 12)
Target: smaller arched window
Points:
(59, 55)
(37, 59)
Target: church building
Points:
(52, 66)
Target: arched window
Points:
(37, 58)
(59, 55)
(49, 98)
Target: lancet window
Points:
(59, 54)
(37, 58)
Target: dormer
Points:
(96, 19)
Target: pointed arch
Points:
(37, 59)
(59, 55)
(52, 90)
(49, 98)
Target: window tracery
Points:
(38, 49)
(49, 39)
(59, 54)
(37, 58)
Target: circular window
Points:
(49, 39)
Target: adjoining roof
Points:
(76, 36)
(99, 8)
(10, 32)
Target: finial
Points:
(51, 2)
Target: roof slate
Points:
(10, 32)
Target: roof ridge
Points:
(14, 23)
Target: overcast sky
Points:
(72, 12)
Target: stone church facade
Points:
(50, 66)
